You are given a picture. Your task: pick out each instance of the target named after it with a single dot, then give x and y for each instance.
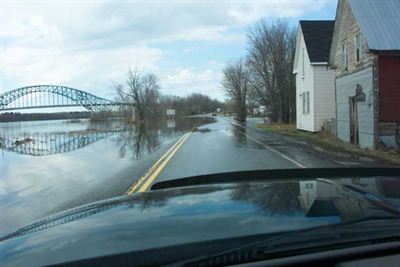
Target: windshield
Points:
(103, 99)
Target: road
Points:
(226, 146)
(68, 181)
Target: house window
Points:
(306, 102)
(344, 56)
(303, 72)
(358, 48)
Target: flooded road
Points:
(49, 166)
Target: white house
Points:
(315, 83)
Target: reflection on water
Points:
(55, 137)
(274, 199)
(356, 198)
(39, 144)
(49, 166)
(347, 198)
(309, 203)
(239, 133)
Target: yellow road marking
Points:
(162, 166)
(133, 188)
(144, 176)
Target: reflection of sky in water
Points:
(32, 186)
(35, 184)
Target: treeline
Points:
(264, 76)
(15, 116)
(190, 105)
(142, 93)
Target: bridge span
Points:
(45, 96)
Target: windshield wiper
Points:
(276, 175)
(358, 232)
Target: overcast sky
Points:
(90, 45)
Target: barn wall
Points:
(348, 30)
(345, 88)
(389, 88)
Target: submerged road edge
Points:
(266, 146)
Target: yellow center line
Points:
(147, 173)
(173, 149)
(162, 166)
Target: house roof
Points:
(379, 21)
(317, 36)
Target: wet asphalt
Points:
(226, 146)
(221, 146)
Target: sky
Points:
(90, 45)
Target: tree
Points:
(195, 103)
(235, 82)
(142, 93)
(270, 60)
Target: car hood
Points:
(192, 214)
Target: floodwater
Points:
(50, 166)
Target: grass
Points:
(330, 142)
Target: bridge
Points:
(44, 144)
(46, 96)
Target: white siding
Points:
(304, 84)
(324, 87)
(345, 88)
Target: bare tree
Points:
(235, 81)
(270, 60)
(142, 92)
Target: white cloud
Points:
(186, 76)
(183, 82)
(84, 69)
(91, 44)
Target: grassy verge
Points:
(330, 142)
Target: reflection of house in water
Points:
(316, 198)
(327, 198)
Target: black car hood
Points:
(192, 214)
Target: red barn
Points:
(389, 88)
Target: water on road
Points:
(49, 166)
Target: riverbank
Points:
(330, 142)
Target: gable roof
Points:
(318, 37)
(379, 21)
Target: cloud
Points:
(85, 69)
(91, 45)
(250, 13)
(183, 82)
